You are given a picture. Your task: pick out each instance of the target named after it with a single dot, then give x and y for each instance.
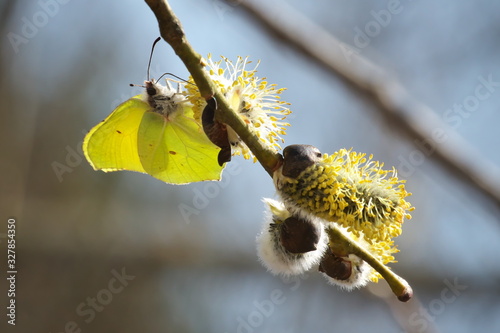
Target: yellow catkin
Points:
(354, 192)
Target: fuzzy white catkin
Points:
(359, 276)
(277, 259)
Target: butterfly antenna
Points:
(151, 55)
(181, 79)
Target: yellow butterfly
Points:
(154, 133)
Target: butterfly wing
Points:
(177, 151)
(112, 144)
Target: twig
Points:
(171, 31)
(399, 286)
(411, 117)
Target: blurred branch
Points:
(172, 32)
(413, 119)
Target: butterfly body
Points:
(163, 99)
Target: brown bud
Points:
(406, 294)
(299, 235)
(335, 267)
(216, 131)
(297, 158)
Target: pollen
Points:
(351, 190)
(253, 98)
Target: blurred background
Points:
(112, 252)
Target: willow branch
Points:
(414, 120)
(172, 32)
(398, 285)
